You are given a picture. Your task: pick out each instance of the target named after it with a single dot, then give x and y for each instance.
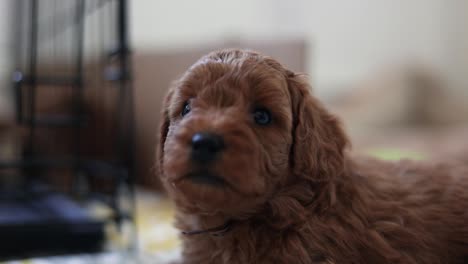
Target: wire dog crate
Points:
(74, 114)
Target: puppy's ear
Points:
(318, 139)
(163, 130)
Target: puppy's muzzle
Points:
(206, 146)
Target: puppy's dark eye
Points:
(186, 109)
(262, 116)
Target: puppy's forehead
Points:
(250, 75)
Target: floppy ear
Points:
(318, 139)
(163, 130)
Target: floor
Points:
(157, 240)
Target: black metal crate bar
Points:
(68, 47)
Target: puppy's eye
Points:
(262, 116)
(186, 109)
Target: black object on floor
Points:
(46, 224)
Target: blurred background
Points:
(393, 71)
(381, 65)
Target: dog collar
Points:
(214, 231)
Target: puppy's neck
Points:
(290, 206)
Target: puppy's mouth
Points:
(206, 178)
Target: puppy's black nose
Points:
(205, 146)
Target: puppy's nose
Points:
(205, 146)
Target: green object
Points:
(395, 154)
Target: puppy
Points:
(259, 174)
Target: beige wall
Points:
(349, 38)
(455, 17)
(6, 58)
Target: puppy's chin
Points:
(205, 191)
(206, 177)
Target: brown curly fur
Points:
(294, 194)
